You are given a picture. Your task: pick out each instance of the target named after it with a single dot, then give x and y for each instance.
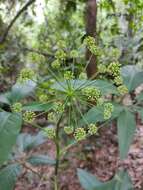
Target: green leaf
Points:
(139, 98)
(121, 181)
(87, 180)
(20, 91)
(126, 128)
(8, 176)
(36, 106)
(10, 125)
(95, 114)
(4, 98)
(27, 141)
(41, 160)
(105, 86)
(133, 76)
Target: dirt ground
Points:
(99, 157)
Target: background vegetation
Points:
(71, 85)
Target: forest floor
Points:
(99, 158)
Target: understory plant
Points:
(76, 106)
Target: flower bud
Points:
(50, 132)
(17, 107)
(80, 134)
(92, 129)
(29, 116)
(69, 129)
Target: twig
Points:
(4, 36)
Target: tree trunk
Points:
(91, 14)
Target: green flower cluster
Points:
(25, 75)
(114, 69)
(122, 89)
(79, 134)
(108, 109)
(52, 117)
(17, 107)
(118, 80)
(68, 75)
(100, 101)
(102, 68)
(50, 132)
(29, 116)
(74, 54)
(69, 130)
(59, 107)
(83, 76)
(43, 98)
(92, 129)
(92, 93)
(61, 44)
(60, 55)
(91, 45)
(56, 64)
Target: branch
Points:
(3, 38)
(45, 54)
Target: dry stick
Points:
(3, 38)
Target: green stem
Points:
(57, 140)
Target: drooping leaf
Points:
(95, 114)
(87, 180)
(104, 86)
(27, 141)
(121, 181)
(36, 106)
(4, 98)
(41, 160)
(8, 176)
(126, 129)
(10, 125)
(20, 91)
(139, 98)
(133, 76)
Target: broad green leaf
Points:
(20, 91)
(41, 160)
(95, 114)
(36, 106)
(121, 181)
(8, 176)
(105, 86)
(133, 76)
(87, 180)
(126, 128)
(139, 98)
(27, 141)
(4, 98)
(10, 125)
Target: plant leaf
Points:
(27, 141)
(87, 180)
(20, 91)
(36, 106)
(126, 129)
(121, 181)
(10, 124)
(8, 176)
(41, 160)
(139, 98)
(95, 114)
(133, 76)
(104, 86)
